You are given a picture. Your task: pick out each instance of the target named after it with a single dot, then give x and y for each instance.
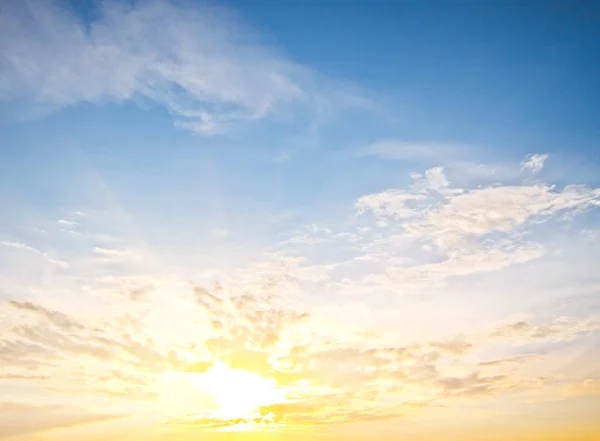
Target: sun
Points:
(238, 393)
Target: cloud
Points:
(10, 376)
(415, 239)
(18, 419)
(247, 325)
(582, 388)
(562, 329)
(435, 179)
(25, 247)
(472, 384)
(402, 150)
(270, 318)
(456, 347)
(327, 380)
(461, 231)
(313, 234)
(477, 212)
(203, 65)
(534, 163)
(422, 277)
(117, 254)
(66, 222)
(464, 163)
(327, 409)
(519, 359)
(45, 337)
(54, 317)
(390, 203)
(393, 382)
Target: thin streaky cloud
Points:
(25, 247)
(204, 66)
(405, 150)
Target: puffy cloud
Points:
(502, 209)
(472, 230)
(246, 326)
(435, 231)
(534, 163)
(476, 212)
(436, 179)
(390, 203)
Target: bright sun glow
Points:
(239, 393)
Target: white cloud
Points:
(111, 253)
(482, 211)
(434, 179)
(66, 222)
(403, 150)
(472, 213)
(25, 247)
(534, 163)
(390, 203)
(463, 163)
(462, 263)
(197, 61)
(443, 231)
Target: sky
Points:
(311, 220)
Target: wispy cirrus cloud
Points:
(24, 247)
(468, 163)
(199, 61)
(405, 150)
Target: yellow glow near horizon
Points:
(237, 392)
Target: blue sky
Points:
(224, 184)
(504, 65)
